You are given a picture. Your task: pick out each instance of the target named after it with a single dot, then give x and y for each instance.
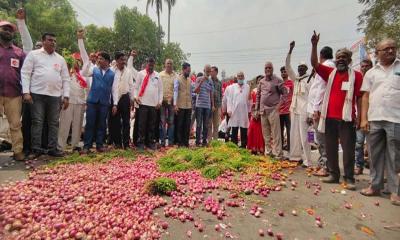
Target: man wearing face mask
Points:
(338, 112)
(380, 118)
(11, 59)
(269, 92)
(99, 97)
(183, 105)
(300, 149)
(238, 108)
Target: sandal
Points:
(321, 173)
(370, 192)
(395, 200)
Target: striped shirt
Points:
(203, 97)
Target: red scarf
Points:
(145, 81)
(82, 82)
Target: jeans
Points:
(360, 139)
(96, 117)
(120, 123)
(384, 151)
(183, 124)
(45, 107)
(346, 132)
(146, 125)
(202, 118)
(167, 118)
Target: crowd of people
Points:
(46, 99)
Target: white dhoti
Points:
(72, 116)
(300, 149)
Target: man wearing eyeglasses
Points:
(380, 117)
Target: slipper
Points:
(321, 173)
(370, 192)
(395, 200)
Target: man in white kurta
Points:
(238, 108)
(300, 149)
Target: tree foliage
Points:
(131, 30)
(380, 19)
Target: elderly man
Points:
(215, 116)
(149, 95)
(11, 61)
(204, 104)
(381, 87)
(269, 92)
(45, 83)
(183, 105)
(167, 108)
(300, 149)
(317, 90)
(338, 112)
(238, 107)
(365, 65)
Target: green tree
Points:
(158, 4)
(172, 51)
(134, 30)
(100, 39)
(380, 19)
(170, 4)
(9, 7)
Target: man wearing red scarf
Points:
(148, 92)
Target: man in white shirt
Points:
(380, 117)
(148, 92)
(45, 79)
(123, 93)
(315, 98)
(300, 149)
(238, 108)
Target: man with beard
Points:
(300, 149)
(365, 65)
(380, 117)
(338, 112)
(317, 90)
(45, 83)
(183, 105)
(11, 61)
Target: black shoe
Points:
(101, 149)
(152, 147)
(34, 155)
(77, 149)
(330, 179)
(55, 153)
(85, 151)
(140, 147)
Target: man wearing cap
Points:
(338, 112)
(11, 60)
(300, 149)
(148, 92)
(99, 97)
(167, 108)
(183, 105)
(317, 90)
(45, 84)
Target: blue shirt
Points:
(203, 97)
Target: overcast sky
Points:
(243, 34)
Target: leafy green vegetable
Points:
(160, 186)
